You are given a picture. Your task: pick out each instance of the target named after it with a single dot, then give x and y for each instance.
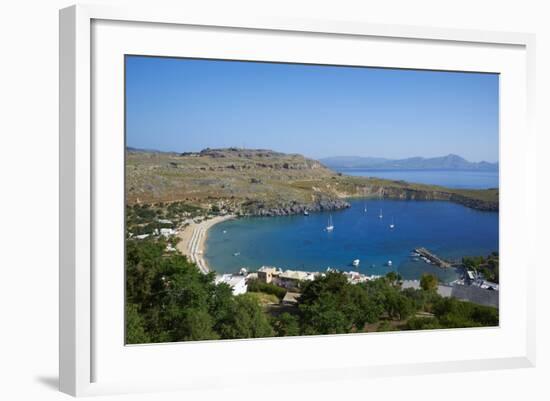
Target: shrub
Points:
(255, 285)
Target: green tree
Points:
(428, 282)
(172, 293)
(323, 305)
(394, 278)
(246, 320)
(472, 262)
(332, 305)
(423, 300)
(360, 307)
(286, 325)
(452, 313)
(422, 323)
(398, 306)
(194, 324)
(255, 285)
(135, 330)
(385, 326)
(221, 305)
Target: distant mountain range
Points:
(449, 162)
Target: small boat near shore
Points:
(355, 262)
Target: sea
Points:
(302, 242)
(469, 179)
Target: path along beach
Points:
(193, 239)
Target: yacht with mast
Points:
(330, 225)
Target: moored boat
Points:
(330, 225)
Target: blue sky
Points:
(319, 111)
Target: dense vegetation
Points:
(488, 266)
(255, 285)
(168, 299)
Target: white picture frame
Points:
(85, 330)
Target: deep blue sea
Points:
(446, 178)
(302, 243)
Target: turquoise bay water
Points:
(302, 243)
(446, 178)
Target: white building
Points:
(236, 282)
(266, 273)
(167, 231)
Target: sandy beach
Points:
(193, 239)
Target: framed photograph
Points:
(305, 199)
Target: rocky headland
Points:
(259, 182)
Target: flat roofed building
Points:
(266, 273)
(291, 298)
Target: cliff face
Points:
(472, 199)
(255, 208)
(266, 183)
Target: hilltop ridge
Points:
(265, 182)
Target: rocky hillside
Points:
(263, 182)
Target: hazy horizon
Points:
(322, 157)
(186, 105)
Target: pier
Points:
(436, 260)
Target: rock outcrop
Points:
(267, 183)
(256, 208)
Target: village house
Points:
(291, 278)
(266, 274)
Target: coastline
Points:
(193, 240)
(302, 243)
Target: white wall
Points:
(28, 187)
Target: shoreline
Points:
(193, 240)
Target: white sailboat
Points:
(355, 262)
(392, 225)
(365, 207)
(330, 226)
(380, 215)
